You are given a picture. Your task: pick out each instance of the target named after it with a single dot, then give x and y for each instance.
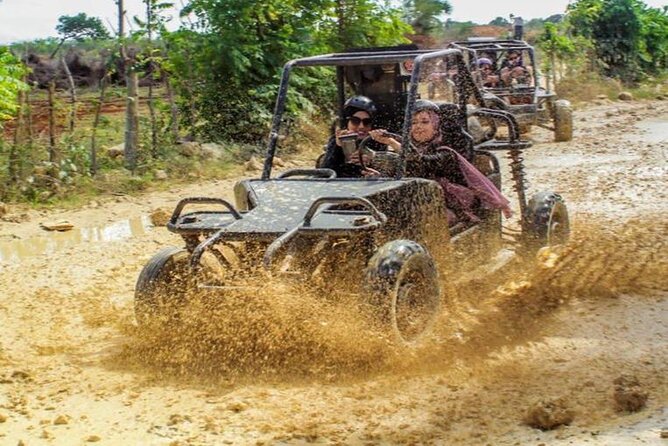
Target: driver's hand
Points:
(367, 158)
(340, 132)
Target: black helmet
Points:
(357, 103)
(423, 104)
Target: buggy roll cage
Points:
(466, 88)
(475, 47)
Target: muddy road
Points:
(75, 370)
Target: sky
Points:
(32, 19)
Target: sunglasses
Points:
(357, 121)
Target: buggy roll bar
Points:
(340, 60)
(202, 200)
(473, 47)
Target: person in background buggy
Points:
(486, 72)
(513, 71)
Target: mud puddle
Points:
(15, 251)
(654, 130)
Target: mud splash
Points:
(15, 251)
(285, 331)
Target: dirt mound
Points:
(629, 395)
(547, 415)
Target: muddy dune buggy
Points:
(384, 241)
(520, 94)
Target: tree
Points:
(154, 24)
(616, 33)
(500, 21)
(426, 15)
(12, 72)
(12, 98)
(654, 39)
(79, 27)
(237, 48)
(629, 38)
(555, 46)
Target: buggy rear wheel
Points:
(162, 287)
(563, 121)
(403, 282)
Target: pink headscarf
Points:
(436, 140)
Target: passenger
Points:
(358, 113)
(486, 72)
(465, 187)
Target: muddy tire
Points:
(319, 161)
(563, 121)
(402, 285)
(547, 222)
(162, 287)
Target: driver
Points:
(358, 114)
(514, 71)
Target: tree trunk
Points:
(14, 162)
(174, 125)
(73, 94)
(553, 63)
(31, 135)
(152, 117)
(96, 122)
(54, 156)
(60, 44)
(131, 120)
(151, 68)
(341, 25)
(121, 18)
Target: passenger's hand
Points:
(381, 136)
(369, 173)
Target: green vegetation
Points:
(236, 49)
(11, 82)
(216, 77)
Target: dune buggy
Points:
(521, 94)
(385, 240)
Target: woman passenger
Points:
(465, 187)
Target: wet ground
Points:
(74, 369)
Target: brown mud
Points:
(288, 368)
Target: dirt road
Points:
(74, 369)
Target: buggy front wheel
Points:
(162, 287)
(547, 222)
(403, 284)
